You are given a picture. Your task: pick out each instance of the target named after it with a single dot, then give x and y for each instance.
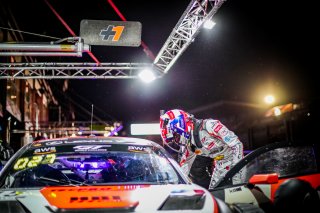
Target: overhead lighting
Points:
(269, 99)
(209, 24)
(147, 76)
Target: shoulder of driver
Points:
(214, 127)
(217, 129)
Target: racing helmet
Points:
(175, 126)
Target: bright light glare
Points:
(269, 99)
(209, 24)
(145, 129)
(277, 111)
(147, 76)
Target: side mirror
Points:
(264, 178)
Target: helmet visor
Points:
(176, 138)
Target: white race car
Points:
(100, 174)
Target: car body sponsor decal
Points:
(53, 143)
(91, 148)
(237, 189)
(44, 150)
(138, 149)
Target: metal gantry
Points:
(180, 38)
(185, 31)
(71, 70)
(57, 48)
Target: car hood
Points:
(124, 198)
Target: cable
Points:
(91, 119)
(35, 34)
(69, 29)
(146, 49)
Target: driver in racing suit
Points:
(202, 142)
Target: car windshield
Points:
(91, 165)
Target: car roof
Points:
(98, 139)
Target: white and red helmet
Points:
(175, 126)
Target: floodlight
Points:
(147, 76)
(209, 24)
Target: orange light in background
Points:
(281, 109)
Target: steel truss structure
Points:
(71, 70)
(185, 31)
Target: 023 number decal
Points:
(30, 162)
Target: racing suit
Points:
(211, 140)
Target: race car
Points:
(101, 174)
(279, 177)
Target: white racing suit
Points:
(215, 141)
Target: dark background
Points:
(256, 48)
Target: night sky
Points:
(257, 47)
